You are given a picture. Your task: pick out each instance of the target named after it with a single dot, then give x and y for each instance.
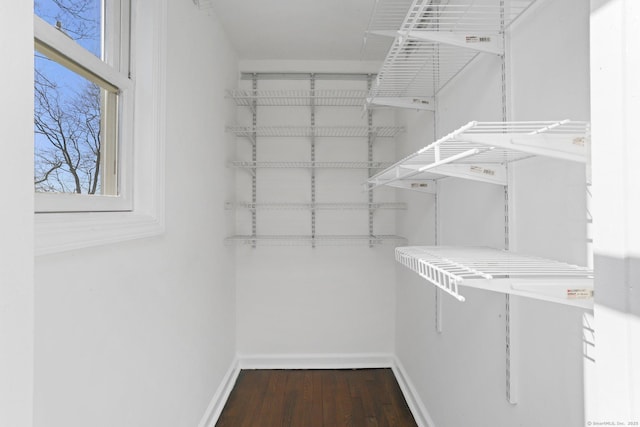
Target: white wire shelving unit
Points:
(450, 268)
(321, 206)
(318, 240)
(298, 98)
(311, 100)
(433, 43)
(481, 150)
(308, 165)
(315, 131)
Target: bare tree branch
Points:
(68, 151)
(80, 19)
(67, 120)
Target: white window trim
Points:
(58, 232)
(68, 53)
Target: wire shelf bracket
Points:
(423, 186)
(416, 103)
(488, 44)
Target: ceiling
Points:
(300, 29)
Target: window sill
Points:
(69, 231)
(60, 232)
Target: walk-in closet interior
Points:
(444, 188)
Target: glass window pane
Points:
(79, 19)
(75, 132)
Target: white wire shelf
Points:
(435, 41)
(298, 98)
(309, 165)
(387, 17)
(321, 206)
(317, 131)
(414, 68)
(480, 150)
(449, 268)
(327, 240)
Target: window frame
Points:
(62, 231)
(112, 72)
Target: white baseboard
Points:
(419, 411)
(316, 361)
(220, 396)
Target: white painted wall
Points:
(460, 373)
(299, 301)
(16, 215)
(615, 63)
(142, 333)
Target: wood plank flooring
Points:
(316, 398)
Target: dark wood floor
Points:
(310, 398)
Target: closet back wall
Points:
(464, 366)
(331, 303)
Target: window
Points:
(83, 105)
(128, 201)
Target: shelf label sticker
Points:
(477, 39)
(580, 141)
(420, 101)
(481, 170)
(419, 185)
(579, 293)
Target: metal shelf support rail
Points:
(313, 159)
(370, 142)
(436, 241)
(481, 150)
(254, 157)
